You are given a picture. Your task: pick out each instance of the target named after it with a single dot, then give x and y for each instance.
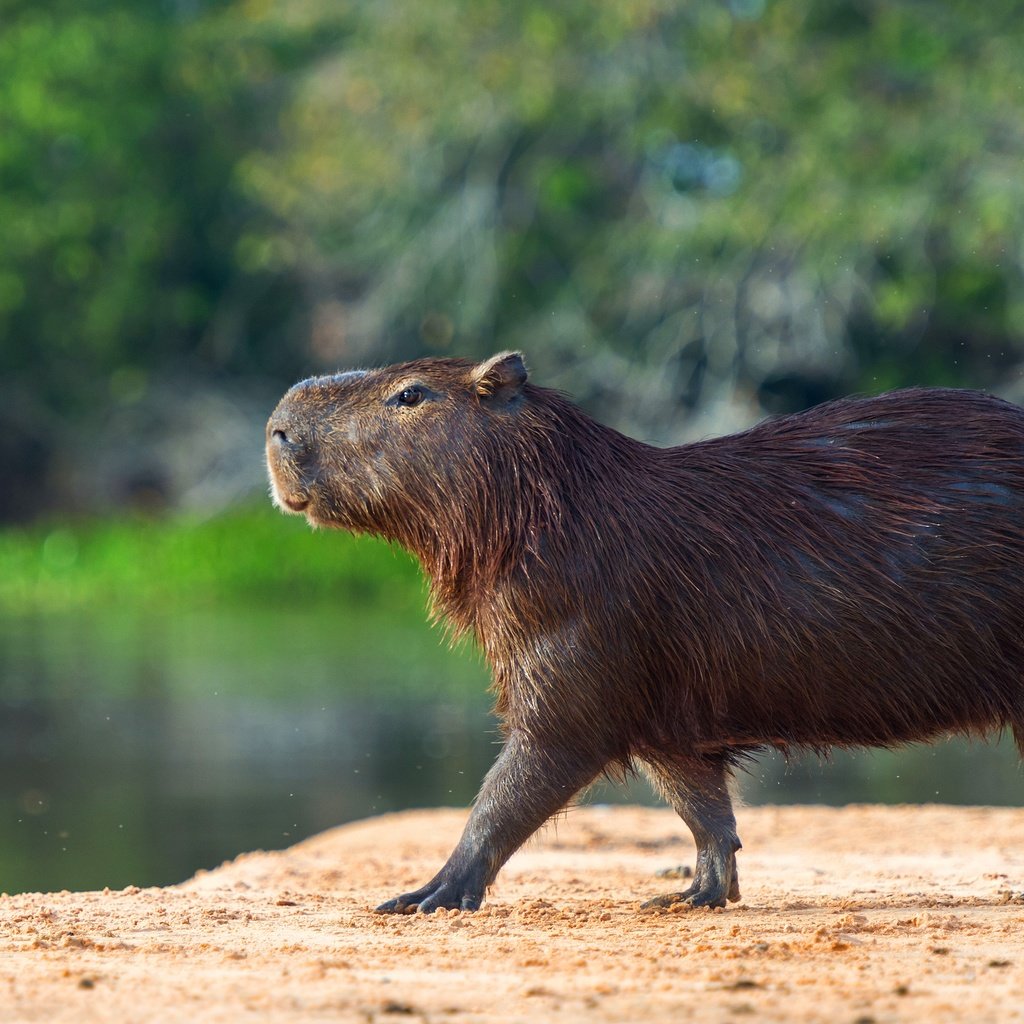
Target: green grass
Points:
(250, 555)
(249, 602)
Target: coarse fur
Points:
(851, 575)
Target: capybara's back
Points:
(852, 575)
(861, 568)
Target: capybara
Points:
(848, 576)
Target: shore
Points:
(859, 914)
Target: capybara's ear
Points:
(501, 377)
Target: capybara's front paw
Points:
(448, 894)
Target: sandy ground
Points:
(853, 915)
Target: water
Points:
(135, 750)
(144, 791)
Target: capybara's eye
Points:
(410, 396)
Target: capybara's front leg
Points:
(698, 791)
(530, 781)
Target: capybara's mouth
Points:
(284, 497)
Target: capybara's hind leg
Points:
(697, 789)
(526, 785)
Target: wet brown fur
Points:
(851, 575)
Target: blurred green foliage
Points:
(709, 180)
(673, 208)
(245, 557)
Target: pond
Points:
(135, 749)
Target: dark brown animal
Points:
(852, 575)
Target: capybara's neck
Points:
(520, 500)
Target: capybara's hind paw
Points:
(432, 897)
(692, 900)
(688, 898)
(695, 897)
(399, 905)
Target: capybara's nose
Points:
(283, 434)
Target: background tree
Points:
(687, 215)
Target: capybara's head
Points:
(380, 450)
